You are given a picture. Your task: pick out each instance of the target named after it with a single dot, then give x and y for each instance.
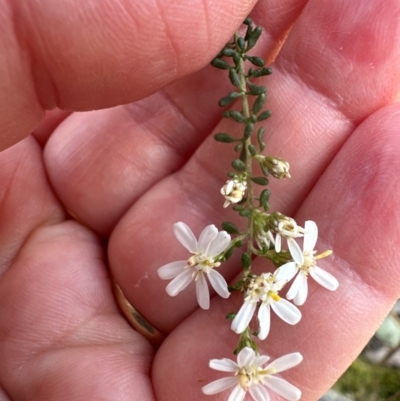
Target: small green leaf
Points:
(264, 115)
(252, 40)
(229, 253)
(245, 213)
(238, 147)
(228, 52)
(256, 90)
(260, 180)
(264, 198)
(229, 227)
(227, 100)
(234, 77)
(238, 244)
(259, 103)
(248, 130)
(257, 61)
(221, 64)
(248, 21)
(260, 138)
(241, 44)
(261, 72)
(230, 315)
(264, 169)
(252, 150)
(221, 137)
(237, 116)
(238, 165)
(243, 155)
(237, 208)
(246, 260)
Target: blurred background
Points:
(375, 374)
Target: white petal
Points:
(179, 283)
(220, 243)
(259, 393)
(171, 270)
(260, 360)
(237, 394)
(295, 251)
(218, 283)
(243, 317)
(286, 272)
(185, 236)
(229, 186)
(246, 357)
(278, 243)
(264, 317)
(286, 362)
(283, 388)
(206, 236)
(310, 237)
(286, 311)
(324, 278)
(202, 293)
(302, 293)
(224, 365)
(219, 385)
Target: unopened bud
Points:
(276, 166)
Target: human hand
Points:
(130, 172)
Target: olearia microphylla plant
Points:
(269, 235)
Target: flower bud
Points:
(277, 167)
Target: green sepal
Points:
(257, 61)
(227, 100)
(256, 90)
(253, 37)
(264, 198)
(238, 165)
(221, 64)
(260, 180)
(252, 150)
(226, 138)
(230, 315)
(229, 227)
(260, 72)
(264, 115)
(246, 260)
(234, 77)
(260, 138)
(259, 103)
(248, 130)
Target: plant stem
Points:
(249, 167)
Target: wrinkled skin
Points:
(129, 172)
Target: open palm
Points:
(128, 173)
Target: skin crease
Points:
(128, 173)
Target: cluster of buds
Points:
(276, 166)
(234, 190)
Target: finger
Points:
(358, 218)
(58, 318)
(132, 147)
(309, 142)
(84, 57)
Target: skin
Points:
(128, 173)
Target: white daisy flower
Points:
(305, 263)
(211, 243)
(233, 191)
(249, 375)
(263, 290)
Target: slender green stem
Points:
(249, 167)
